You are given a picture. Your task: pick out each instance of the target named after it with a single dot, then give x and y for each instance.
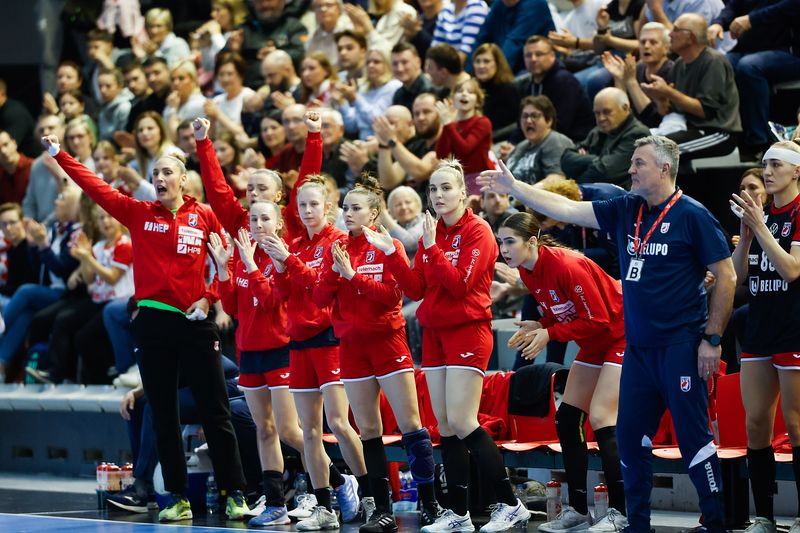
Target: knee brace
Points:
(419, 451)
(569, 425)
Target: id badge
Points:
(635, 270)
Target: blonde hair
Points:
(453, 168)
(158, 14)
(561, 186)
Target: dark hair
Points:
(73, 65)
(223, 58)
(504, 73)
(324, 62)
(403, 46)
(228, 138)
(358, 37)
(75, 93)
(115, 72)
(446, 57)
(539, 39)
(526, 226)
(130, 66)
(543, 104)
(369, 186)
(184, 125)
(100, 35)
(154, 60)
(757, 172)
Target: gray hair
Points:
(333, 113)
(400, 190)
(618, 95)
(666, 150)
(657, 26)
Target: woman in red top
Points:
(374, 353)
(314, 356)
(452, 275)
(467, 134)
(580, 303)
(175, 340)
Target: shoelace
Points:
(304, 501)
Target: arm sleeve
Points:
(776, 13)
(300, 274)
(475, 16)
(117, 204)
(386, 292)
(410, 279)
(312, 163)
(263, 290)
(328, 286)
(463, 145)
(61, 264)
(713, 96)
(227, 295)
(477, 255)
(727, 14)
(219, 194)
(607, 213)
(592, 314)
(533, 18)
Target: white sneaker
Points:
(131, 378)
(305, 506)
(569, 520)
(611, 522)
(449, 522)
(507, 516)
(367, 506)
(320, 518)
(764, 525)
(258, 507)
(795, 526)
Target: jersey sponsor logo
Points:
(787, 229)
(242, 282)
(370, 256)
(753, 259)
(190, 232)
(318, 252)
(796, 355)
(686, 383)
(316, 263)
(456, 241)
(401, 359)
(158, 227)
(578, 289)
(192, 219)
(651, 248)
(565, 312)
(466, 355)
(336, 371)
(425, 258)
(554, 296)
(664, 227)
(757, 285)
(712, 483)
(475, 252)
(773, 228)
(452, 256)
(284, 376)
(619, 354)
(370, 269)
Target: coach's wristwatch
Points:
(714, 340)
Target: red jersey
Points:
(469, 141)
(579, 300)
(370, 302)
(223, 199)
(453, 276)
(253, 300)
(169, 250)
(296, 283)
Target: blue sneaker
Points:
(272, 516)
(347, 496)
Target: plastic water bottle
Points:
(553, 498)
(212, 496)
(600, 501)
(300, 487)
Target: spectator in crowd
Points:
(152, 142)
(351, 55)
(107, 164)
(495, 208)
(418, 30)
(360, 104)
(269, 28)
(139, 89)
(458, 25)
(767, 52)
(497, 81)
(404, 217)
(72, 105)
(103, 56)
(230, 159)
(387, 15)
(466, 133)
(407, 68)
(213, 35)
(18, 122)
(331, 21)
(225, 110)
(605, 154)
(15, 170)
(15, 262)
(68, 78)
(443, 65)
(510, 23)
(161, 41)
(547, 76)
(317, 74)
(184, 102)
(408, 155)
(332, 133)
(158, 80)
(80, 141)
(289, 159)
(42, 191)
(281, 78)
(115, 104)
(186, 142)
(539, 155)
(629, 75)
(271, 138)
(704, 92)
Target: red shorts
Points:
(313, 369)
(375, 356)
(468, 346)
(782, 361)
(274, 379)
(608, 356)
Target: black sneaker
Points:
(380, 523)
(428, 515)
(130, 500)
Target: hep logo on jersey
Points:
(686, 383)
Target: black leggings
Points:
(173, 348)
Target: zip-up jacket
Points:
(169, 251)
(371, 301)
(296, 283)
(453, 276)
(227, 207)
(253, 300)
(47, 262)
(579, 300)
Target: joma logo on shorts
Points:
(712, 483)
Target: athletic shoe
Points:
(612, 522)
(450, 522)
(380, 523)
(129, 500)
(568, 520)
(178, 508)
(271, 516)
(320, 518)
(506, 516)
(130, 378)
(305, 506)
(236, 506)
(762, 525)
(367, 506)
(258, 507)
(347, 496)
(428, 515)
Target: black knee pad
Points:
(569, 425)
